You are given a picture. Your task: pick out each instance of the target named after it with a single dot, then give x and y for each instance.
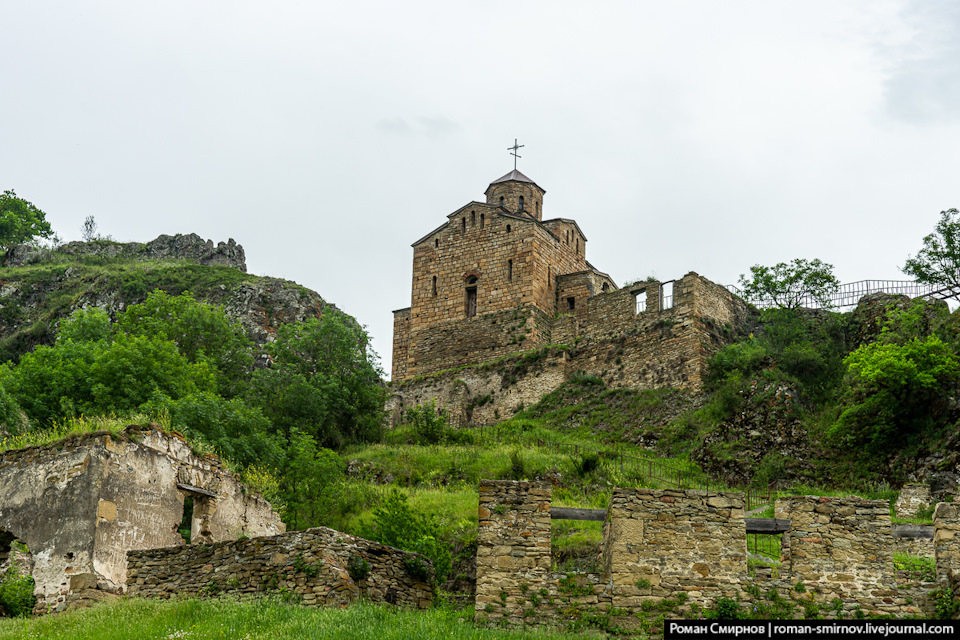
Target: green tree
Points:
(87, 372)
(236, 430)
(898, 391)
(202, 332)
(20, 221)
(324, 381)
(310, 483)
(790, 285)
(938, 262)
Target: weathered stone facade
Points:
(314, 564)
(79, 505)
(690, 547)
(604, 335)
(485, 284)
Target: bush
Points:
(430, 423)
(16, 593)
(726, 609)
(396, 524)
(358, 568)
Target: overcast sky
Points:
(326, 137)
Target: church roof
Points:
(515, 176)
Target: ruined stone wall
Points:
(946, 542)
(840, 548)
(484, 395)
(314, 564)
(80, 505)
(912, 498)
(689, 547)
(513, 550)
(675, 541)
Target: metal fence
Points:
(848, 295)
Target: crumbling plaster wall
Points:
(81, 504)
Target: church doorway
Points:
(471, 303)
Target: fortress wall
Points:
(314, 564)
(484, 337)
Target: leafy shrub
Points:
(398, 525)
(947, 605)
(358, 568)
(726, 609)
(518, 466)
(16, 593)
(430, 422)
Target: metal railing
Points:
(848, 295)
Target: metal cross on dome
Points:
(513, 152)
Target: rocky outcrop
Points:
(177, 247)
(81, 275)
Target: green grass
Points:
(926, 566)
(253, 619)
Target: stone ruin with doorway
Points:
(81, 504)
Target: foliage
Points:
(202, 333)
(897, 391)
(358, 567)
(310, 481)
(20, 221)
(323, 381)
(16, 592)
(398, 525)
(938, 262)
(790, 284)
(234, 429)
(113, 375)
(725, 609)
(948, 606)
(430, 422)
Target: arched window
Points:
(473, 218)
(501, 201)
(481, 220)
(521, 203)
(578, 245)
(463, 225)
(509, 270)
(436, 242)
(605, 287)
(538, 207)
(471, 297)
(508, 228)
(434, 286)
(549, 275)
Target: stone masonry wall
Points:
(648, 350)
(676, 541)
(513, 549)
(659, 544)
(315, 564)
(841, 548)
(912, 498)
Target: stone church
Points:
(490, 281)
